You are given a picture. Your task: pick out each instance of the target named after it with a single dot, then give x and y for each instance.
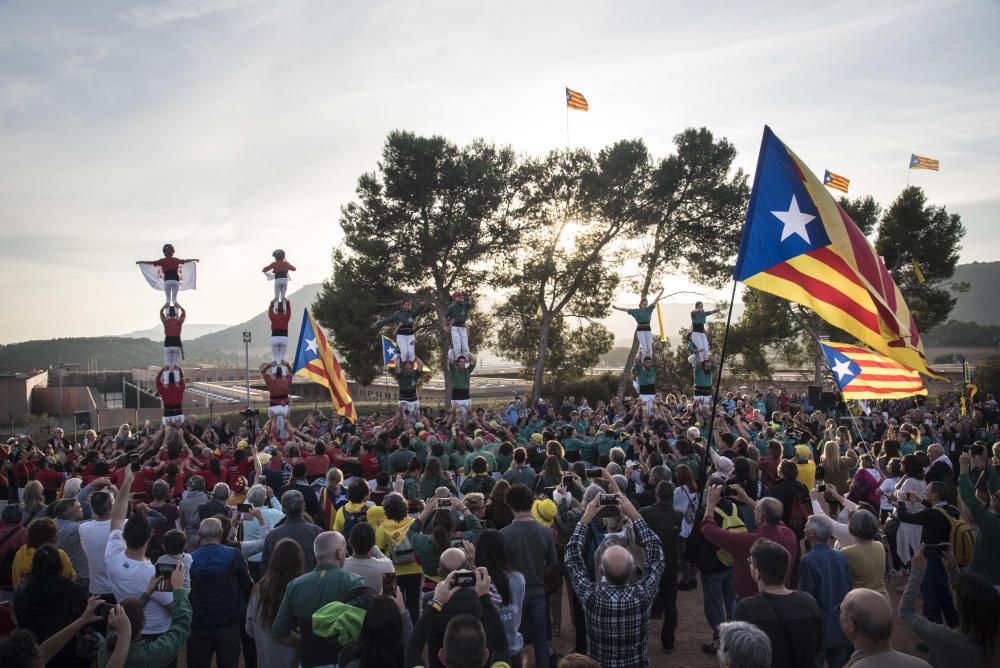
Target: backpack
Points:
(962, 538)
(402, 553)
(730, 521)
(352, 517)
(798, 514)
(692, 508)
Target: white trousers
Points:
(645, 338)
(170, 288)
(171, 356)
(280, 287)
(648, 399)
(173, 419)
(407, 347)
(412, 407)
(460, 342)
(464, 406)
(700, 339)
(279, 346)
(279, 413)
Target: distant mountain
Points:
(979, 303)
(229, 340)
(107, 351)
(191, 330)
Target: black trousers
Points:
(668, 596)
(223, 643)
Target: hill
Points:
(229, 341)
(110, 353)
(191, 330)
(979, 303)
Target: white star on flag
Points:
(842, 368)
(312, 346)
(794, 221)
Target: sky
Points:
(232, 128)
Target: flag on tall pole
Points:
(575, 100)
(831, 180)
(920, 162)
(864, 374)
(314, 359)
(800, 245)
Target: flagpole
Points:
(718, 382)
(567, 126)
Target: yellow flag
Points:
(918, 272)
(659, 319)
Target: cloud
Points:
(178, 10)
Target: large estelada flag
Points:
(575, 100)
(314, 359)
(865, 374)
(800, 245)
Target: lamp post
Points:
(246, 346)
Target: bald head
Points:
(330, 548)
(452, 559)
(866, 617)
(617, 564)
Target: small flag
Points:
(659, 319)
(187, 272)
(918, 272)
(389, 351)
(576, 100)
(920, 162)
(836, 181)
(865, 374)
(314, 359)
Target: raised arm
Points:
(120, 506)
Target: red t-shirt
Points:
(280, 320)
(25, 471)
(172, 326)
(171, 395)
(168, 263)
(280, 265)
(316, 464)
(50, 479)
(369, 466)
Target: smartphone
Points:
(444, 503)
(594, 473)
(103, 610)
(457, 542)
(609, 500)
(133, 461)
(548, 491)
(388, 584)
(821, 487)
(165, 570)
(244, 507)
(567, 481)
(464, 578)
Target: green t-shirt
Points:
(460, 377)
(408, 382)
(703, 378)
(491, 461)
(641, 315)
(644, 375)
(457, 312)
(699, 317)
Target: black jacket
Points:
(937, 528)
(666, 524)
(45, 606)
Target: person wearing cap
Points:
(405, 318)
(460, 373)
(280, 267)
(642, 316)
(170, 266)
(279, 329)
(456, 314)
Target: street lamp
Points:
(246, 346)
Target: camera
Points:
(243, 507)
(594, 473)
(567, 481)
(444, 503)
(464, 578)
(457, 542)
(165, 570)
(609, 500)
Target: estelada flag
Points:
(865, 374)
(389, 351)
(800, 245)
(314, 359)
(920, 162)
(576, 100)
(831, 180)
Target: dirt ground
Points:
(693, 631)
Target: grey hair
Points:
(197, 483)
(621, 481)
(292, 502)
(257, 496)
(863, 525)
(220, 491)
(771, 510)
(72, 487)
(659, 474)
(591, 492)
(161, 490)
(210, 529)
(613, 469)
(325, 545)
(743, 645)
(822, 525)
(616, 453)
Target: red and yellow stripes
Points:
(575, 100)
(836, 181)
(326, 371)
(880, 377)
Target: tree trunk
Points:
(543, 347)
(623, 381)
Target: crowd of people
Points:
(455, 537)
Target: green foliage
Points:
(963, 335)
(768, 331)
(595, 388)
(913, 230)
(426, 223)
(864, 211)
(987, 375)
(110, 353)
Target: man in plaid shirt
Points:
(617, 612)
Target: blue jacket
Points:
(220, 587)
(824, 573)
